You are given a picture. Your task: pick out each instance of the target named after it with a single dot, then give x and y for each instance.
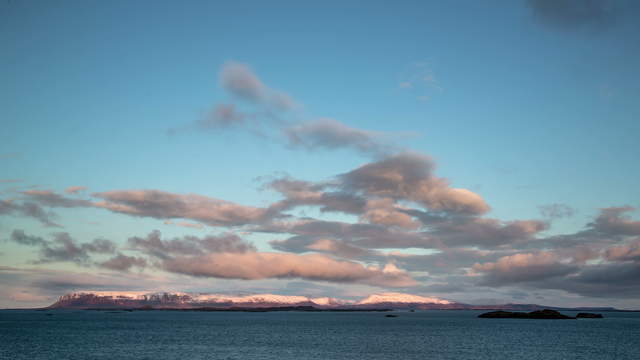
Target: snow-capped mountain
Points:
(181, 300)
(401, 298)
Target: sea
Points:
(437, 334)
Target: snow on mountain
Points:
(181, 299)
(401, 298)
(327, 301)
(133, 299)
(132, 295)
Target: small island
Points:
(539, 314)
(589, 316)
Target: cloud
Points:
(301, 193)
(184, 224)
(222, 116)
(419, 79)
(240, 80)
(75, 189)
(361, 235)
(164, 205)
(28, 209)
(384, 211)
(627, 252)
(268, 106)
(343, 249)
(271, 117)
(522, 268)
(410, 176)
(573, 14)
(56, 282)
(331, 134)
(376, 193)
(556, 211)
(612, 221)
(486, 233)
(19, 237)
(63, 247)
(446, 262)
(604, 280)
(620, 279)
(51, 199)
(123, 262)
(32, 206)
(154, 245)
(41, 287)
(262, 265)
(338, 248)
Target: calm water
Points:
(299, 335)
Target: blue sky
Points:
(522, 103)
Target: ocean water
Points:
(65, 334)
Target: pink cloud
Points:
(262, 265)
(164, 205)
(627, 252)
(75, 189)
(410, 176)
(523, 267)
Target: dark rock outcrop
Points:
(589, 316)
(540, 314)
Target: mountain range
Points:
(186, 301)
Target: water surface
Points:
(65, 334)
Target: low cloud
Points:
(604, 280)
(123, 262)
(63, 247)
(626, 252)
(184, 224)
(523, 267)
(263, 265)
(51, 283)
(19, 237)
(556, 211)
(28, 209)
(52, 199)
(155, 246)
(304, 193)
(410, 177)
(618, 280)
(486, 233)
(374, 190)
(164, 205)
(339, 248)
(385, 211)
(446, 262)
(371, 236)
(75, 189)
(613, 221)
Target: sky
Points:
(480, 152)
